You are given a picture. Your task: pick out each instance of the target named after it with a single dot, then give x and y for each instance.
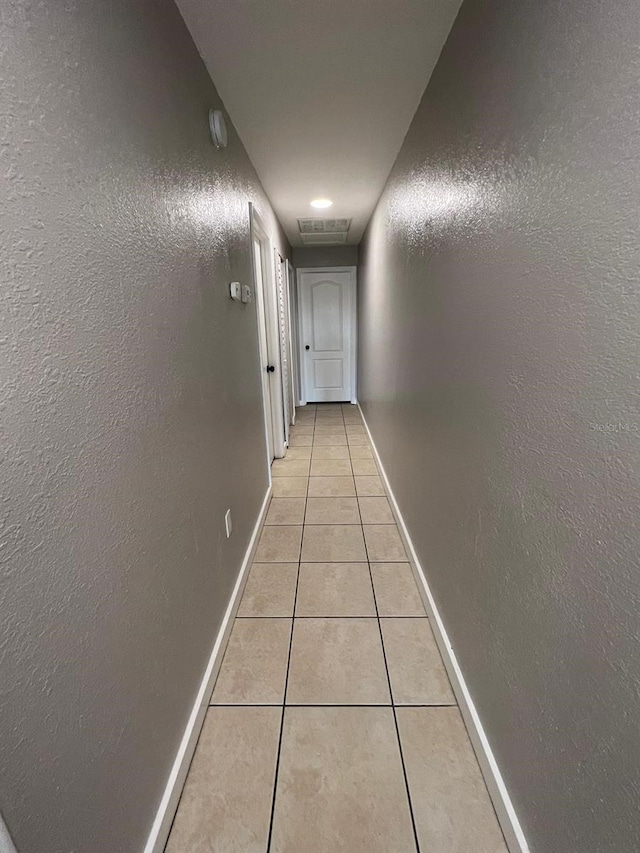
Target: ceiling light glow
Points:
(321, 203)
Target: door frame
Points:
(354, 326)
(295, 342)
(267, 326)
(284, 330)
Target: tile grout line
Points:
(286, 678)
(393, 704)
(337, 562)
(256, 705)
(253, 704)
(331, 523)
(323, 705)
(283, 705)
(293, 620)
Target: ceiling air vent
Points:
(323, 232)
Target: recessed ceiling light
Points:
(321, 202)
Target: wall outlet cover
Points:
(234, 290)
(246, 293)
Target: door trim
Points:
(354, 326)
(284, 330)
(269, 323)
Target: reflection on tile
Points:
(330, 429)
(289, 487)
(375, 511)
(302, 429)
(290, 468)
(369, 486)
(301, 440)
(270, 590)
(280, 544)
(335, 589)
(329, 441)
(384, 543)
(331, 468)
(226, 800)
(340, 784)
(341, 452)
(364, 467)
(416, 671)
(331, 487)
(255, 664)
(396, 590)
(333, 543)
(286, 511)
(358, 440)
(354, 429)
(332, 511)
(337, 662)
(360, 451)
(299, 453)
(451, 805)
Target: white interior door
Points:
(266, 302)
(327, 345)
(258, 259)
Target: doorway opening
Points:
(269, 337)
(285, 329)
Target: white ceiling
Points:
(322, 93)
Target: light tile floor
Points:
(332, 725)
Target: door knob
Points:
(270, 368)
(307, 346)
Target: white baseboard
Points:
(500, 798)
(169, 803)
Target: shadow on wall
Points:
(132, 406)
(325, 256)
(498, 338)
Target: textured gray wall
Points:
(131, 410)
(499, 336)
(325, 256)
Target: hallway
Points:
(236, 619)
(332, 689)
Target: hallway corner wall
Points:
(132, 410)
(499, 350)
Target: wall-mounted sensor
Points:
(235, 291)
(218, 128)
(246, 293)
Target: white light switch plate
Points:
(234, 290)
